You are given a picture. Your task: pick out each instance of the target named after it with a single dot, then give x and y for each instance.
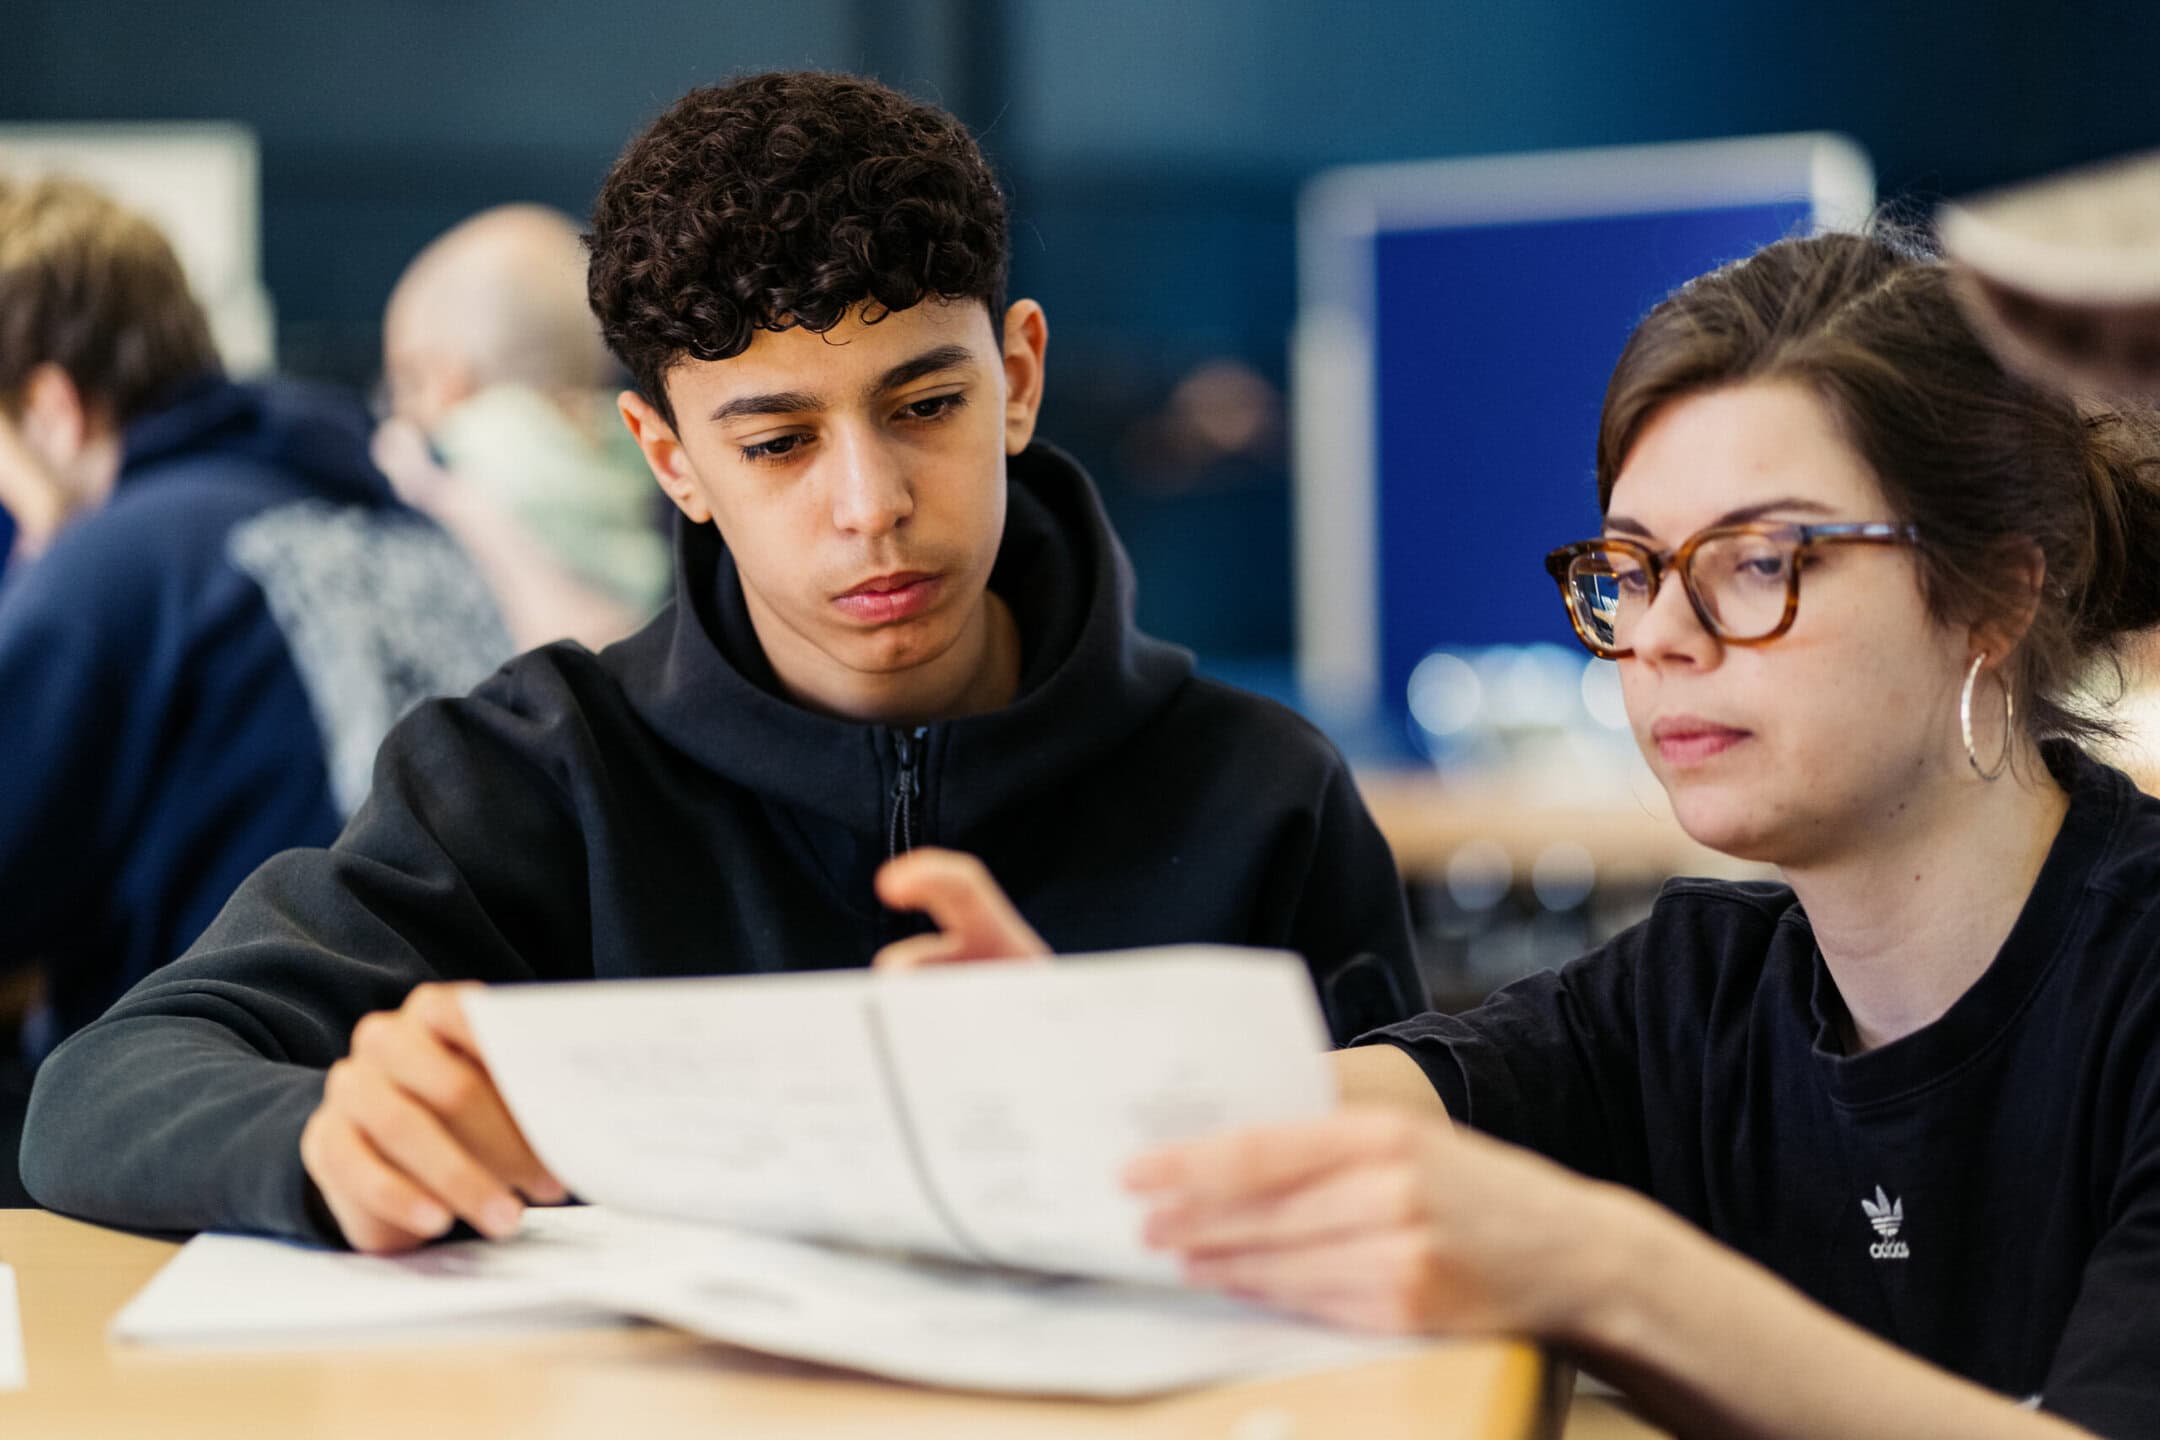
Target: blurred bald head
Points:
(499, 299)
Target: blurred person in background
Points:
(2061, 275)
(502, 426)
(216, 610)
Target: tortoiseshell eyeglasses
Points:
(1743, 581)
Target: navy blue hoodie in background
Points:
(160, 738)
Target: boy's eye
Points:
(934, 407)
(772, 449)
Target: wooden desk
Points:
(644, 1383)
(1427, 819)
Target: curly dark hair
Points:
(785, 200)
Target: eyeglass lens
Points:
(1740, 580)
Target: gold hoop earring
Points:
(1965, 697)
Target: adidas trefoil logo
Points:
(1888, 1217)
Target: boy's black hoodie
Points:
(660, 809)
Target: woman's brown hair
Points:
(1986, 466)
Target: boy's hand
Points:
(411, 1133)
(974, 919)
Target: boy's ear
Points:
(664, 455)
(1027, 335)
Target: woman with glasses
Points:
(1875, 1151)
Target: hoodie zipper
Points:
(907, 789)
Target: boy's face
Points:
(858, 477)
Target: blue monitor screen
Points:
(1494, 343)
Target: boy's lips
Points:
(885, 598)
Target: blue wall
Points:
(1955, 94)
(1154, 151)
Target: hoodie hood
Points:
(313, 435)
(1089, 678)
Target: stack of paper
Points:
(912, 1175)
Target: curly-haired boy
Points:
(898, 621)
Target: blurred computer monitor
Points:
(1457, 322)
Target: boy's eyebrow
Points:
(797, 402)
(777, 402)
(940, 357)
(1622, 525)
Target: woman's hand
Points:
(1383, 1220)
(974, 919)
